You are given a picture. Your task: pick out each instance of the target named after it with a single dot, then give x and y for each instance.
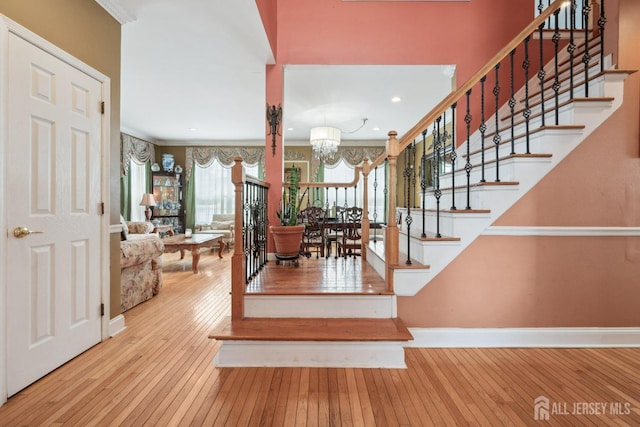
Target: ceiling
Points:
(193, 73)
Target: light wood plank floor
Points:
(158, 372)
(318, 276)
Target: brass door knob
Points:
(21, 232)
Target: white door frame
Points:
(8, 26)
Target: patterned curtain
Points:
(204, 156)
(132, 147)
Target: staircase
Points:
(519, 173)
(302, 328)
(537, 129)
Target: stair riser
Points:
(450, 224)
(321, 354)
(435, 254)
(329, 306)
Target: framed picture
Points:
(301, 165)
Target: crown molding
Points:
(114, 8)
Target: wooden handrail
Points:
(443, 105)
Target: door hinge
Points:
(101, 208)
(102, 107)
(102, 309)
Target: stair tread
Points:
(312, 329)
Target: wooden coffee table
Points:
(181, 243)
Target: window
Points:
(138, 184)
(343, 172)
(214, 192)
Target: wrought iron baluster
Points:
(246, 226)
(252, 230)
(406, 174)
(385, 191)
(375, 204)
(556, 79)
(355, 194)
(483, 128)
(453, 156)
(336, 218)
(512, 100)
(586, 58)
(601, 24)
(346, 198)
(423, 181)
(437, 145)
(412, 195)
(542, 74)
(571, 48)
(467, 167)
(527, 111)
(496, 135)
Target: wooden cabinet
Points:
(167, 190)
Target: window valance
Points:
(204, 156)
(354, 156)
(134, 148)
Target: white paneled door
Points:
(53, 159)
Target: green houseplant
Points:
(288, 235)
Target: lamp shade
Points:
(325, 134)
(325, 141)
(147, 200)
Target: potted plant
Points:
(288, 235)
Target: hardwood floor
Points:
(319, 276)
(159, 372)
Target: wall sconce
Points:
(274, 117)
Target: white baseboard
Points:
(524, 337)
(243, 354)
(116, 325)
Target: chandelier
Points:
(324, 141)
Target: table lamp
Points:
(147, 201)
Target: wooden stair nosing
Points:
(461, 211)
(503, 158)
(312, 329)
(297, 292)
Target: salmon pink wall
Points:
(268, 12)
(337, 32)
(528, 281)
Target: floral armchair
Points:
(140, 264)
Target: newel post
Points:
(391, 240)
(238, 262)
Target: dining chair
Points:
(351, 241)
(313, 218)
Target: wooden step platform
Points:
(311, 342)
(312, 329)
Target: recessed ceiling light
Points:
(396, 99)
(376, 128)
(290, 129)
(193, 129)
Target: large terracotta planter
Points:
(287, 239)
